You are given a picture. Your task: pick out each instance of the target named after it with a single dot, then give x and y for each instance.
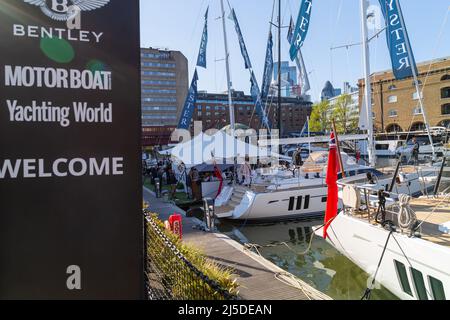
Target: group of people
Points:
(163, 172)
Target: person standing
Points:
(171, 182)
(246, 173)
(415, 151)
(195, 183)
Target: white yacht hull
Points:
(301, 202)
(355, 238)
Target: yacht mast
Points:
(368, 85)
(230, 97)
(227, 63)
(279, 70)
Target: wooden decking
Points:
(258, 278)
(433, 212)
(430, 212)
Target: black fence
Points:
(169, 274)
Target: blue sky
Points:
(178, 25)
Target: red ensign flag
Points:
(331, 180)
(218, 175)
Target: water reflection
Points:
(322, 266)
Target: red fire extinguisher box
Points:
(176, 226)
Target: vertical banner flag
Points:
(331, 180)
(244, 51)
(268, 68)
(189, 105)
(256, 96)
(303, 74)
(301, 28)
(399, 46)
(255, 91)
(201, 61)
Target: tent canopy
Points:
(220, 147)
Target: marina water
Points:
(323, 267)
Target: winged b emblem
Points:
(63, 10)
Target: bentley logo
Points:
(63, 10)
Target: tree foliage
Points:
(320, 121)
(346, 122)
(323, 114)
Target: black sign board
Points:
(70, 168)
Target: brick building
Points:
(395, 102)
(212, 109)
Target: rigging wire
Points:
(436, 48)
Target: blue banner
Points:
(256, 96)
(399, 46)
(303, 74)
(189, 105)
(268, 69)
(301, 28)
(201, 61)
(241, 40)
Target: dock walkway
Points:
(258, 278)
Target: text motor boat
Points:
(279, 195)
(414, 235)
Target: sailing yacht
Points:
(282, 195)
(411, 244)
(404, 243)
(277, 194)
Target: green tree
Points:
(346, 121)
(320, 120)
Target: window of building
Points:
(403, 277)
(417, 111)
(392, 87)
(445, 93)
(415, 95)
(444, 123)
(418, 81)
(392, 99)
(393, 113)
(445, 109)
(158, 73)
(437, 288)
(446, 77)
(159, 99)
(418, 126)
(394, 128)
(158, 65)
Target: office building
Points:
(164, 79)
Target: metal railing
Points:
(170, 275)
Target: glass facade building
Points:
(164, 83)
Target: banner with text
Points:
(244, 51)
(70, 140)
(201, 61)
(189, 104)
(301, 27)
(399, 46)
(268, 68)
